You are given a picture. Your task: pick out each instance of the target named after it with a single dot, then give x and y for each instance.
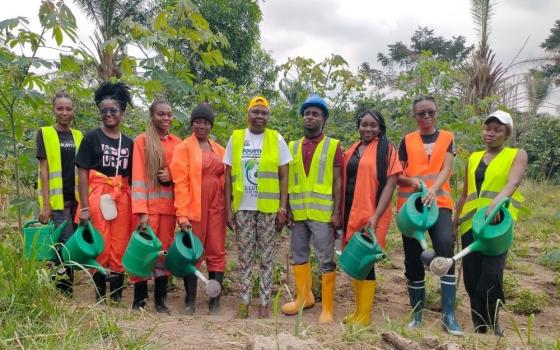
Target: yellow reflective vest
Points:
(310, 195)
(495, 179)
(268, 183)
(52, 148)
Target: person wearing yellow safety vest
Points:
(58, 183)
(426, 155)
(315, 187)
(490, 176)
(256, 196)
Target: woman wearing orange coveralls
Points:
(104, 162)
(371, 166)
(152, 195)
(196, 165)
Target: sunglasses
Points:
(423, 114)
(110, 111)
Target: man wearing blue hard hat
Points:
(315, 190)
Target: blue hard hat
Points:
(315, 101)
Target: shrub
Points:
(540, 140)
(528, 302)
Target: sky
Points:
(359, 29)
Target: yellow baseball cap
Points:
(259, 101)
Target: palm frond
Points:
(482, 12)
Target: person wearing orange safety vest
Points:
(152, 195)
(104, 163)
(491, 175)
(198, 172)
(426, 156)
(315, 186)
(58, 181)
(256, 196)
(369, 177)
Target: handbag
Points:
(107, 204)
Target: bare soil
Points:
(391, 313)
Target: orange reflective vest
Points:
(186, 169)
(364, 203)
(148, 199)
(427, 170)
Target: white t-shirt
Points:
(252, 148)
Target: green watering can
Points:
(489, 239)
(361, 252)
(415, 218)
(143, 249)
(83, 247)
(182, 257)
(40, 240)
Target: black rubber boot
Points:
(140, 295)
(214, 303)
(100, 281)
(160, 294)
(191, 283)
(65, 280)
(116, 283)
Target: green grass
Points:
(529, 302)
(33, 315)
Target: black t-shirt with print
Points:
(429, 142)
(99, 152)
(67, 156)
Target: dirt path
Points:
(201, 331)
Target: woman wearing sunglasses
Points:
(104, 163)
(426, 156)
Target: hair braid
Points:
(154, 156)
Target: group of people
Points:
(259, 183)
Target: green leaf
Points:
(57, 34)
(161, 21)
(127, 65)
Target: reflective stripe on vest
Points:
(311, 195)
(54, 161)
(495, 179)
(268, 184)
(421, 167)
(162, 192)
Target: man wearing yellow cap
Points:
(256, 193)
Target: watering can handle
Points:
(425, 211)
(32, 222)
(371, 232)
(504, 202)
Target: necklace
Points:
(253, 142)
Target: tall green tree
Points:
(552, 46)
(453, 50)
(484, 76)
(109, 46)
(21, 82)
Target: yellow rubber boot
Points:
(328, 297)
(304, 296)
(367, 294)
(349, 319)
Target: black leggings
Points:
(442, 241)
(483, 275)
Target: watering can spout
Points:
(94, 264)
(58, 232)
(151, 257)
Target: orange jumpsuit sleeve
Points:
(139, 193)
(180, 169)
